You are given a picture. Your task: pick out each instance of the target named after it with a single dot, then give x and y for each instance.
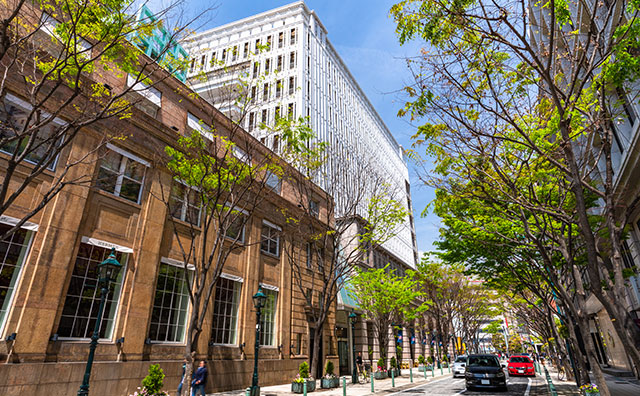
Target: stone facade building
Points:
(49, 293)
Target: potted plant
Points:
(421, 367)
(590, 390)
(381, 372)
(430, 361)
(445, 362)
(297, 386)
(329, 380)
(394, 366)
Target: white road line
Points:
(459, 393)
(418, 386)
(526, 393)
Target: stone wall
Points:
(123, 378)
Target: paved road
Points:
(517, 386)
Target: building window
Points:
(256, 69)
(234, 54)
(225, 311)
(252, 120)
(268, 319)
(278, 88)
(268, 43)
(245, 51)
(267, 66)
(280, 39)
(121, 175)
(309, 255)
(224, 55)
(292, 39)
(292, 85)
(292, 60)
(13, 253)
(276, 143)
(314, 208)
(83, 296)
(203, 60)
(276, 114)
(184, 203)
(13, 116)
(279, 62)
(270, 243)
(265, 115)
(257, 46)
(235, 231)
(170, 305)
(213, 60)
(253, 93)
(290, 111)
(265, 92)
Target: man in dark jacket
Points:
(199, 380)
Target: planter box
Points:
(396, 373)
(328, 383)
(421, 368)
(380, 375)
(298, 387)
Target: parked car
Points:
(484, 371)
(459, 365)
(521, 365)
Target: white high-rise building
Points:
(301, 74)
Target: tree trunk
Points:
(317, 348)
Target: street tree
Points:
(386, 297)
(56, 59)
(495, 77)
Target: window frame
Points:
(184, 208)
(237, 282)
(273, 319)
(180, 265)
(121, 172)
(270, 238)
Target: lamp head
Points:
(109, 269)
(353, 317)
(259, 299)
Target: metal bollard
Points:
(304, 388)
(441, 371)
(393, 378)
(449, 368)
(425, 372)
(411, 374)
(433, 371)
(372, 383)
(247, 392)
(344, 386)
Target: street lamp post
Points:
(259, 300)
(107, 272)
(353, 318)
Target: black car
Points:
(484, 371)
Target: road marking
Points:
(526, 393)
(421, 385)
(459, 393)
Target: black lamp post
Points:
(107, 272)
(353, 318)
(259, 300)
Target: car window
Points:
(483, 361)
(520, 359)
(461, 359)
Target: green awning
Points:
(346, 300)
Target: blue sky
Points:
(364, 36)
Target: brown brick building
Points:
(48, 288)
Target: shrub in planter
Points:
(381, 372)
(297, 386)
(152, 384)
(394, 366)
(330, 380)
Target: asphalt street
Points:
(516, 386)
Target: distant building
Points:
(299, 73)
(161, 47)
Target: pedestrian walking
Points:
(184, 370)
(199, 380)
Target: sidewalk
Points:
(380, 386)
(618, 386)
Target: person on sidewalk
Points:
(184, 369)
(199, 380)
(359, 362)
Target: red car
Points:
(521, 365)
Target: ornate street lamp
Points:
(259, 300)
(353, 318)
(108, 271)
